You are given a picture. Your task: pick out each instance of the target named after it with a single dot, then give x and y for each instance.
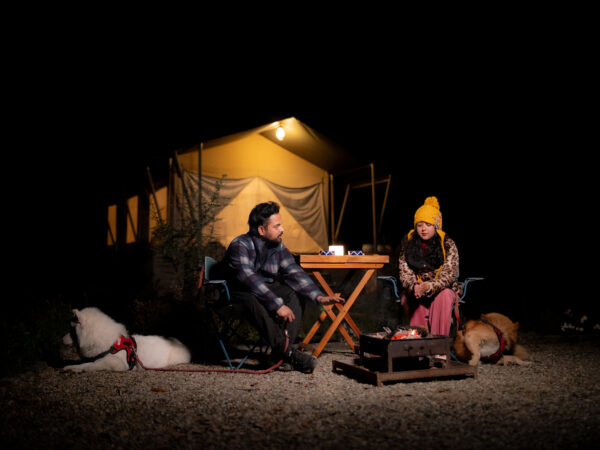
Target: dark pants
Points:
(268, 324)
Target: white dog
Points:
(107, 342)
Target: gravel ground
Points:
(553, 403)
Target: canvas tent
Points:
(298, 170)
(291, 167)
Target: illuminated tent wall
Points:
(259, 167)
(133, 219)
(295, 171)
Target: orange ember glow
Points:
(410, 334)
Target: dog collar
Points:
(496, 356)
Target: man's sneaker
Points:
(276, 358)
(285, 367)
(302, 362)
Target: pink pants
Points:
(437, 317)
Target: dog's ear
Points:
(516, 326)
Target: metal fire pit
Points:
(383, 359)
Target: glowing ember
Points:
(411, 333)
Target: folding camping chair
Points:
(231, 314)
(456, 317)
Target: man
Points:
(263, 275)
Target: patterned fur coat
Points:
(446, 278)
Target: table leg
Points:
(343, 312)
(313, 330)
(348, 319)
(327, 311)
(329, 292)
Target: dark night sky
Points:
(497, 144)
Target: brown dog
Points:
(491, 339)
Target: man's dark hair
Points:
(260, 215)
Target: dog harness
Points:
(129, 345)
(496, 356)
(122, 343)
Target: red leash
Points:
(255, 372)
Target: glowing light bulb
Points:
(280, 133)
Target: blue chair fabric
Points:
(228, 313)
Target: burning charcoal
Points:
(414, 332)
(421, 331)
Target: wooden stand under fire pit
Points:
(404, 359)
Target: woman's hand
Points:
(421, 288)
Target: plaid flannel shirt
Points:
(254, 265)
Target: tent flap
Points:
(304, 204)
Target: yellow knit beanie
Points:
(430, 213)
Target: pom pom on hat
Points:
(430, 213)
(432, 201)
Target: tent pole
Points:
(171, 195)
(185, 192)
(373, 207)
(337, 230)
(121, 222)
(368, 183)
(110, 233)
(143, 219)
(154, 196)
(385, 197)
(332, 209)
(130, 217)
(200, 181)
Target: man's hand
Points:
(325, 300)
(286, 314)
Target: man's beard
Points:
(273, 242)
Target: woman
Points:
(428, 266)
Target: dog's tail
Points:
(520, 352)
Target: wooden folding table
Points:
(320, 262)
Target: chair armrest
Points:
(393, 281)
